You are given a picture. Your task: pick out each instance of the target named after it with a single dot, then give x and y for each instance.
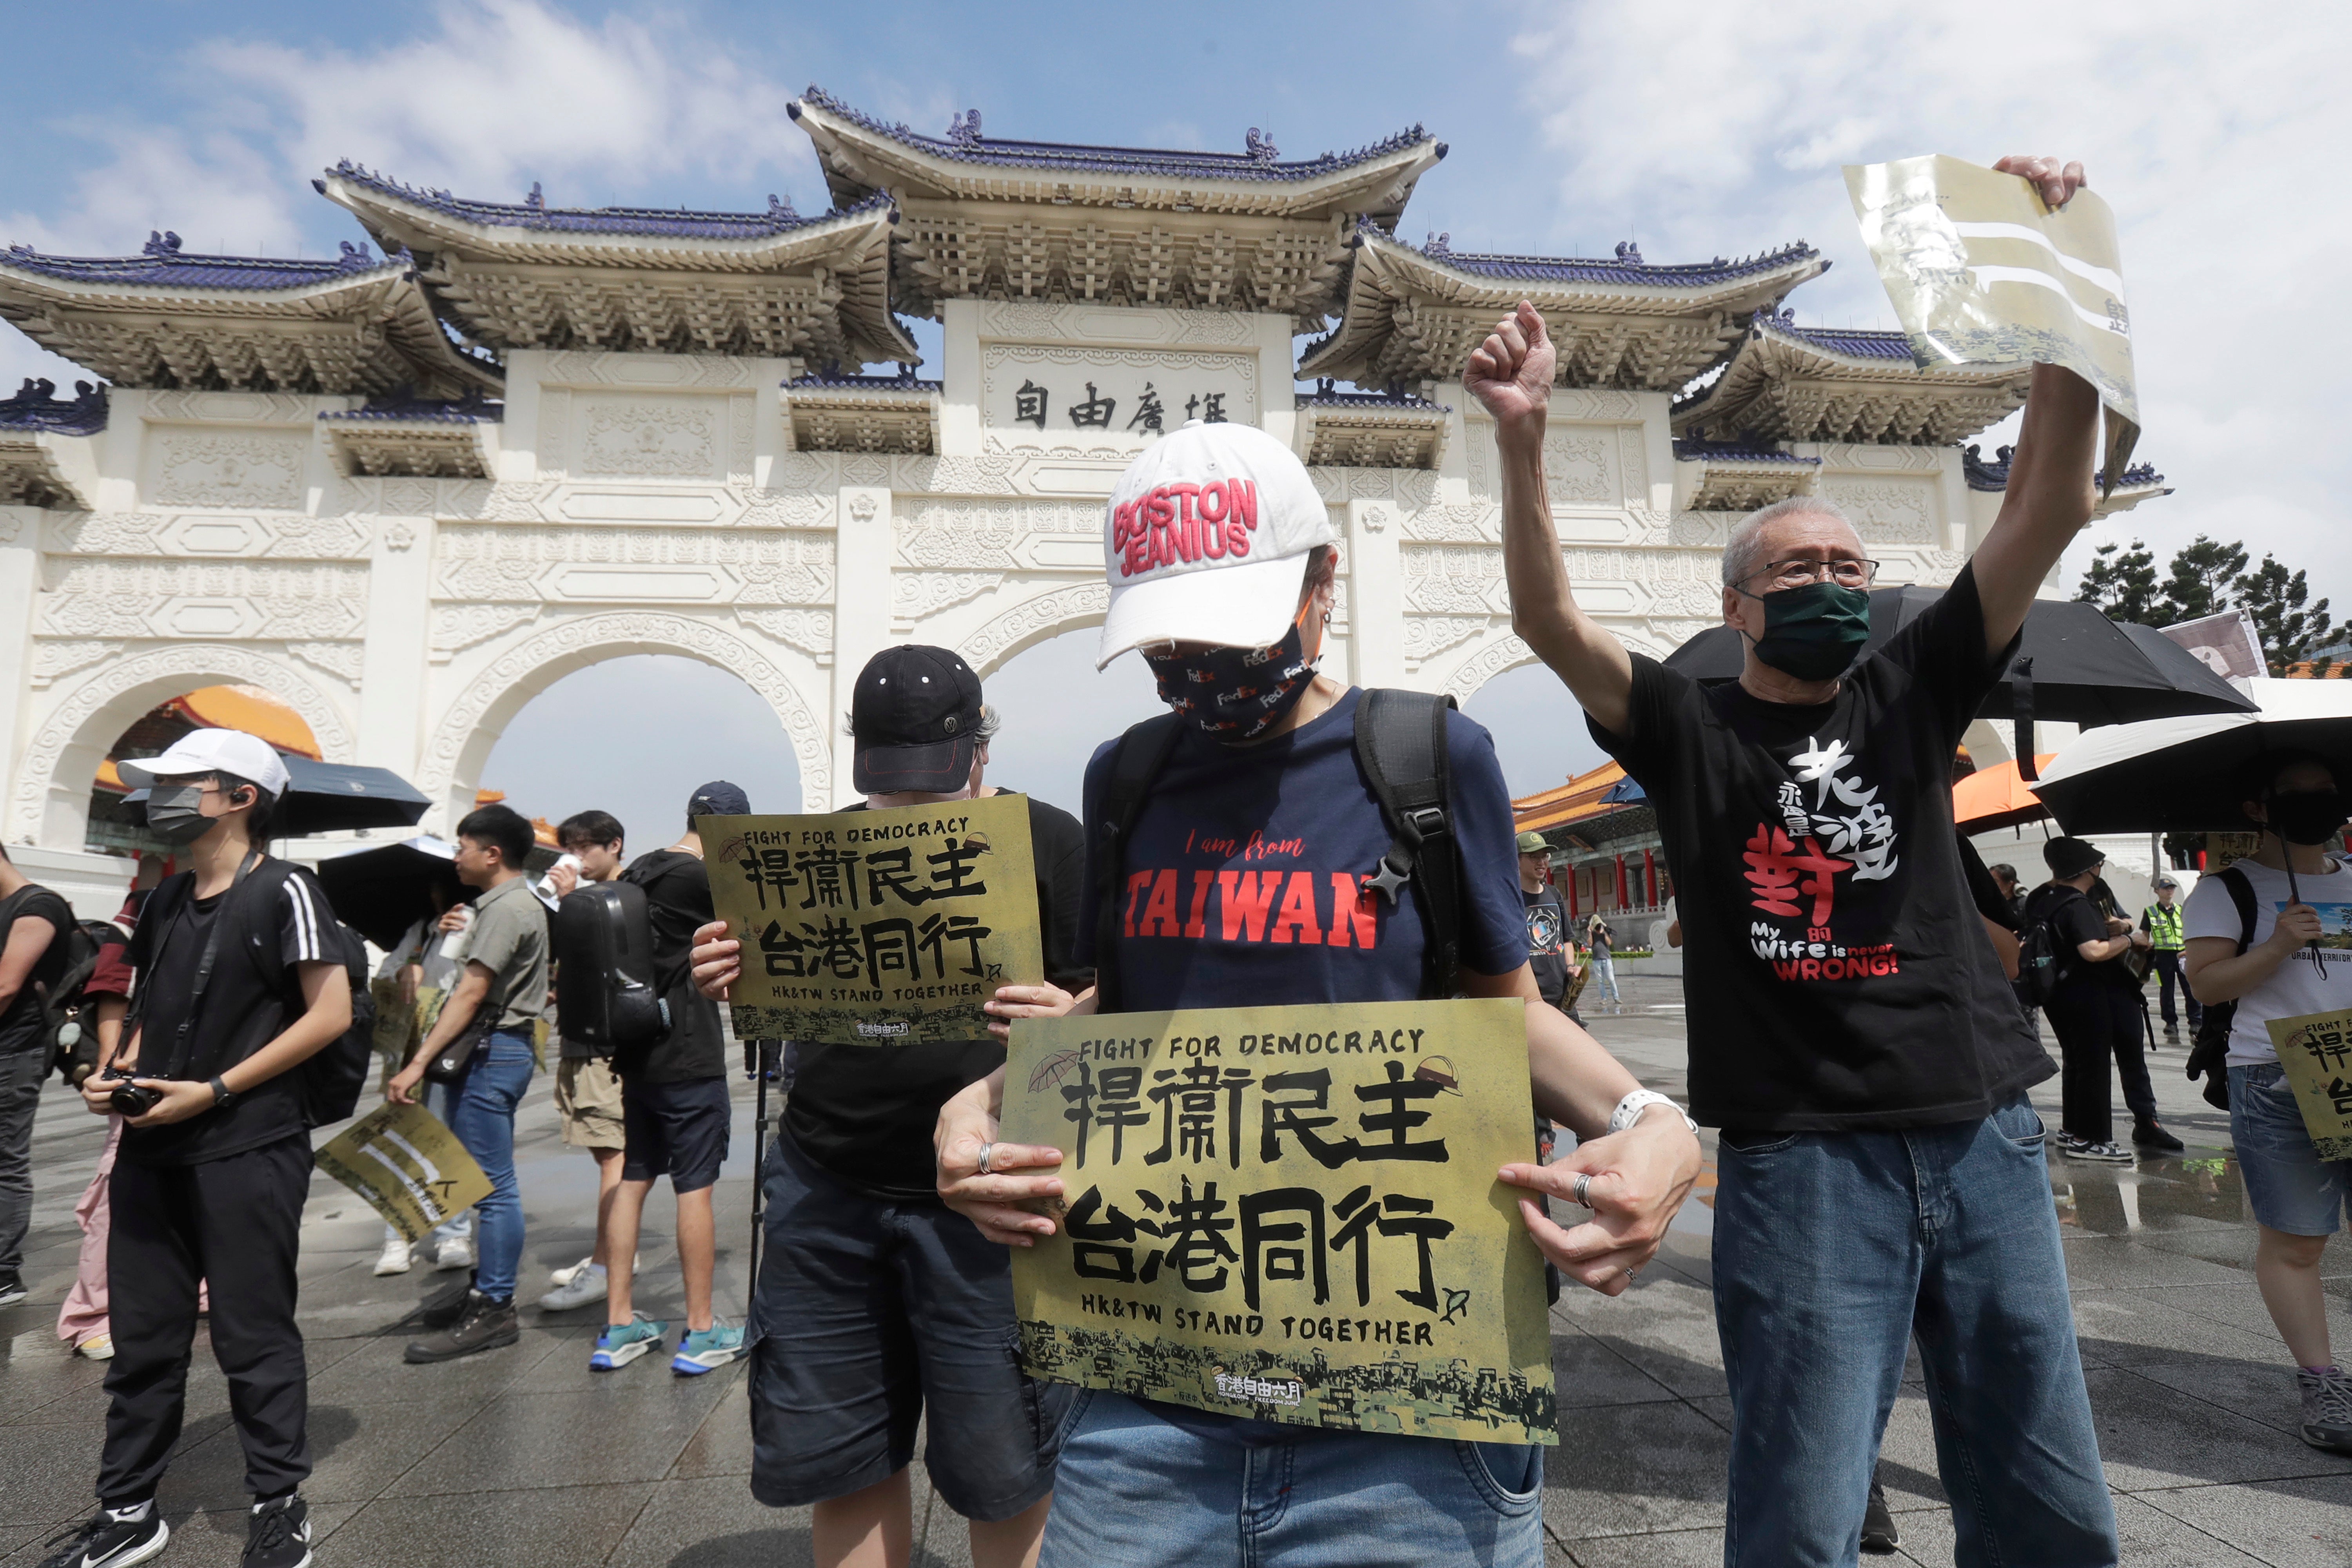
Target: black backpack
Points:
(70, 1018)
(1400, 743)
(603, 950)
(2209, 1054)
(327, 1084)
(2043, 956)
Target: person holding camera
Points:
(485, 1046)
(237, 987)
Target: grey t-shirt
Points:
(509, 937)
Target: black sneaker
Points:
(279, 1534)
(485, 1325)
(106, 1542)
(12, 1289)
(2152, 1136)
(1878, 1532)
(443, 1309)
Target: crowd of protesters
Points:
(1854, 1039)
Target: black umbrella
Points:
(2180, 776)
(2084, 668)
(381, 892)
(336, 797)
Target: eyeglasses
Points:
(1805, 573)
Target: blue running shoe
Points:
(706, 1350)
(621, 1343)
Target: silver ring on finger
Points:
(1583, 1187)
(985, 1150)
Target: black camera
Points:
(130, 1099)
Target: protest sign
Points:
(409, 1167)
(2316, 1051)
(1290, 1214)
(877, 927)
(1981, 272)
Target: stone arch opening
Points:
(49, 805)
(469, 727)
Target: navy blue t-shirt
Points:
(1243, 880)
(1242, 885)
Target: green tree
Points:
(2203, 574)
(2122, 587)
(2289, 627)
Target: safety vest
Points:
(2164, 927)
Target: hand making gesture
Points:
(1511, 372)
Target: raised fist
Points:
(1511, 374)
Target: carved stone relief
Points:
(195, 468)
(642, 438)
(106, 597)
(1049, 614)
(458, 626)
(483, 564)
(1903, 509)
(810, 630)
(54, 659)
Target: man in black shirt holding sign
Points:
(1881, 1172)
(240, 980)
(878, 1309)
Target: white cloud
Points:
(2212, 133)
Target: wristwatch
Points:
(223, 1096)
(1629, 1109)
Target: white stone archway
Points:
(1071, 607)
(470, 725)
(50, 802)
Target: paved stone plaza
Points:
(523, 1458)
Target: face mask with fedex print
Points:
(1235, 694)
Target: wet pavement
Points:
(524, 1457)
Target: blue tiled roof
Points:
(472, 410)
(35, 406)
(903, 382)
(964, 144)
(1994, 476)
(1688, 449)
(162, 265)
(1854, 343)
(1627, 267)
(534, 214)
(1323, 396)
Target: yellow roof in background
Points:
(252, 710)
(1571, 802)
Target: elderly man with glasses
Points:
(1881, 1173)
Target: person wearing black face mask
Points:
(2267, 938)
(1850, 1028)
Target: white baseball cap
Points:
(201, 752)
(1205, 540)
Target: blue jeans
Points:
(1605, 974)
(1832, 1250)
(1145, 1493)
(487, 1097)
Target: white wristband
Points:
(1629, 1109)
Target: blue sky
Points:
(1703, 129)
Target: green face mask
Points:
(1813, 632)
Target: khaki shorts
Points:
(588, 1097)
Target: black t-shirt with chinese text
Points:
(20, 1024)
(865, 1113)
(1837, 974)
(678, 904)
(254, 993)
(1546, 943)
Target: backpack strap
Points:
(1141, 753)
(1400, 746)
(2242, 894)
(183, 1042)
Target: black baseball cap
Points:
(915, 715)
(719, 799)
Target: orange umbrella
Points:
(1997, 797)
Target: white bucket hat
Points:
(1205, 540)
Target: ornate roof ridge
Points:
(1626, 267)
(1746, 449)
(1260, 159)
(162, 263)
(905, 381)
(1857, 342)
(533, 212)
(1325, 395)
(37, 407)
(405, 405)
(1994, 476)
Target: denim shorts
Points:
(2288, 1186)
(1136, 1488)
(872, 1318)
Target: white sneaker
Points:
(588, 1285)
(394, 1258)
(570, 1271)
(455, 1253)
